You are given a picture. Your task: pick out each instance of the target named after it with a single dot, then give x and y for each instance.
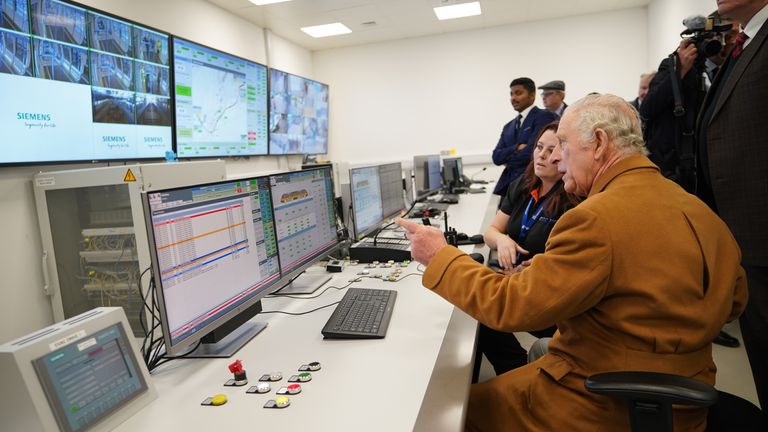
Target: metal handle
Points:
(46, 277)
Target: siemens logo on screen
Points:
(113, 139)
(33, 116)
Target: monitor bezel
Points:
(427, 192)
(170, 78)
(459, 166)
(172, 56)
(269, 119)
(190, 341)
(384, 217)
(358, 235)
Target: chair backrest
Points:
(650, 397)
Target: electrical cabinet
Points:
(95, 247)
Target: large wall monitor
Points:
(221, 103)
(377, 194)
(214, 255)
(426, 175)
(77, 375)
(298, 120)
(78, 84)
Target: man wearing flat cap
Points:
(552, 96)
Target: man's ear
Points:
(601, 143)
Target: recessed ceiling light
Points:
(266, 2)
(326, 30)
(458, 11)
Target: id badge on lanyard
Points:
(528, 222)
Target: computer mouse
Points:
(477, 239)
(433, 211)
(477, 257)
(462, 236)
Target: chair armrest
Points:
(664, 388)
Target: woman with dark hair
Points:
(534, 202)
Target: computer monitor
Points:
(426, 175)
(221, 103)
(305, 224)
(214, 256)
(452, 171)
(298, 121)
(78, 84)
(377, 195)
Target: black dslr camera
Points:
(704, 32)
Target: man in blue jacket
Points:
(517, 138)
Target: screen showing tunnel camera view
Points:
(78, 84)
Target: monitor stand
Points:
(226, 340)
(307, 283)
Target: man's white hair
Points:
(615, 116)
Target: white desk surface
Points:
(417, 378)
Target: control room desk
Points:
(417, 378)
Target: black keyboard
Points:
(362, 314)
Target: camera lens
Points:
(708, 48)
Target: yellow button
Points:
(219, 399)
(282, 401)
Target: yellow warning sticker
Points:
(129, 177)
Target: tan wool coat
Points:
(640, 276)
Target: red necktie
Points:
(738, 45)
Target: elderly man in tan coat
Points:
(640, 276)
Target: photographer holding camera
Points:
(677, 92)
(674, 98)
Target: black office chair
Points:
(650, 396)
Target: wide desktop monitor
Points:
(377, 195)
(214, 255)
(452, 171)
(305, 222)
(221, 103)
(426, 175)
(298, 114)
(78, 84)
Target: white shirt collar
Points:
(755, 24)
(525, 112)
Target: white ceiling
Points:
(399, 19)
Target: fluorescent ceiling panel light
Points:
(458, 11)
(326, 30)
(266, 2)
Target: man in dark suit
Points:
(733, 166)
(517, 137)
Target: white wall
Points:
(451, 91)
(24, 308)
(665, 22)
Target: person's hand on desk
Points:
(425, 241)
(507, 250)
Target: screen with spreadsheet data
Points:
(305, 216)
(214, 250)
